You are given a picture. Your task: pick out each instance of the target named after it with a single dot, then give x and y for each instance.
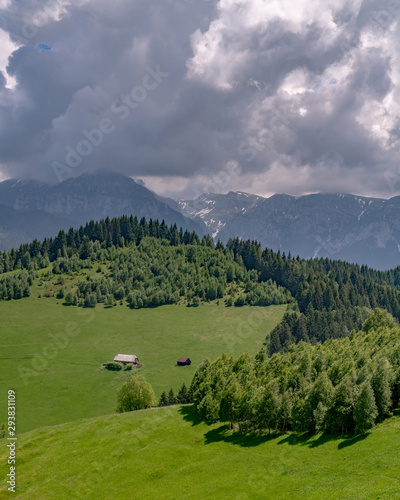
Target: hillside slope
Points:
(59, 384)
(166, 453)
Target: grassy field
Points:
(167, 453)
(51, 354)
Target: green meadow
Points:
(167, 453)
(52, 354)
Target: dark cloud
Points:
(289, 92)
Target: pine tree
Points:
(163, 400)
(171, 398)
(183, 395)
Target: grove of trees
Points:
(341, 386)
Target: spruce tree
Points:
(183, 395)
(163, 399)
(171, 398)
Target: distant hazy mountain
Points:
(17, 227)
(347, 227)
(41, 210)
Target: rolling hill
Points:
(167, 453)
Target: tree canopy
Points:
(135, 394)
(341, 386)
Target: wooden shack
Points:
(182, 361)
(126, 359)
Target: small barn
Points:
(126, 359)
(182, 361)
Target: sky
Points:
(195, 96)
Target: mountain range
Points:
(30, 209)
(340, 226)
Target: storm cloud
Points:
(258, 95)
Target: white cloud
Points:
(6, 49)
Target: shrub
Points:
(135, 394)
(114, 366)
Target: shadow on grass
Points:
(189, 414)
(222, 433)
(352, 440)
(313, 441)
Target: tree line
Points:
(16, 286)
(332, 297)
(155, 273)
(183, 397)
(341, 386)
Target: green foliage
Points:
(184, 396)
(332, 297)
(341, 386)
(171, 398)
(135, 394)
(155, 273)
(153, 264)
(16, 286)
(381, 386)
(339, 418)
(163, 401)
(378, 319)
(365, 410)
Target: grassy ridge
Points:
(72, 385)
(166, 453)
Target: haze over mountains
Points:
(339, 226)
(29, 209)
(347, 227)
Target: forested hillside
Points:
(147, 264)
(332, 297)
(343, 385)
(142, 264)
